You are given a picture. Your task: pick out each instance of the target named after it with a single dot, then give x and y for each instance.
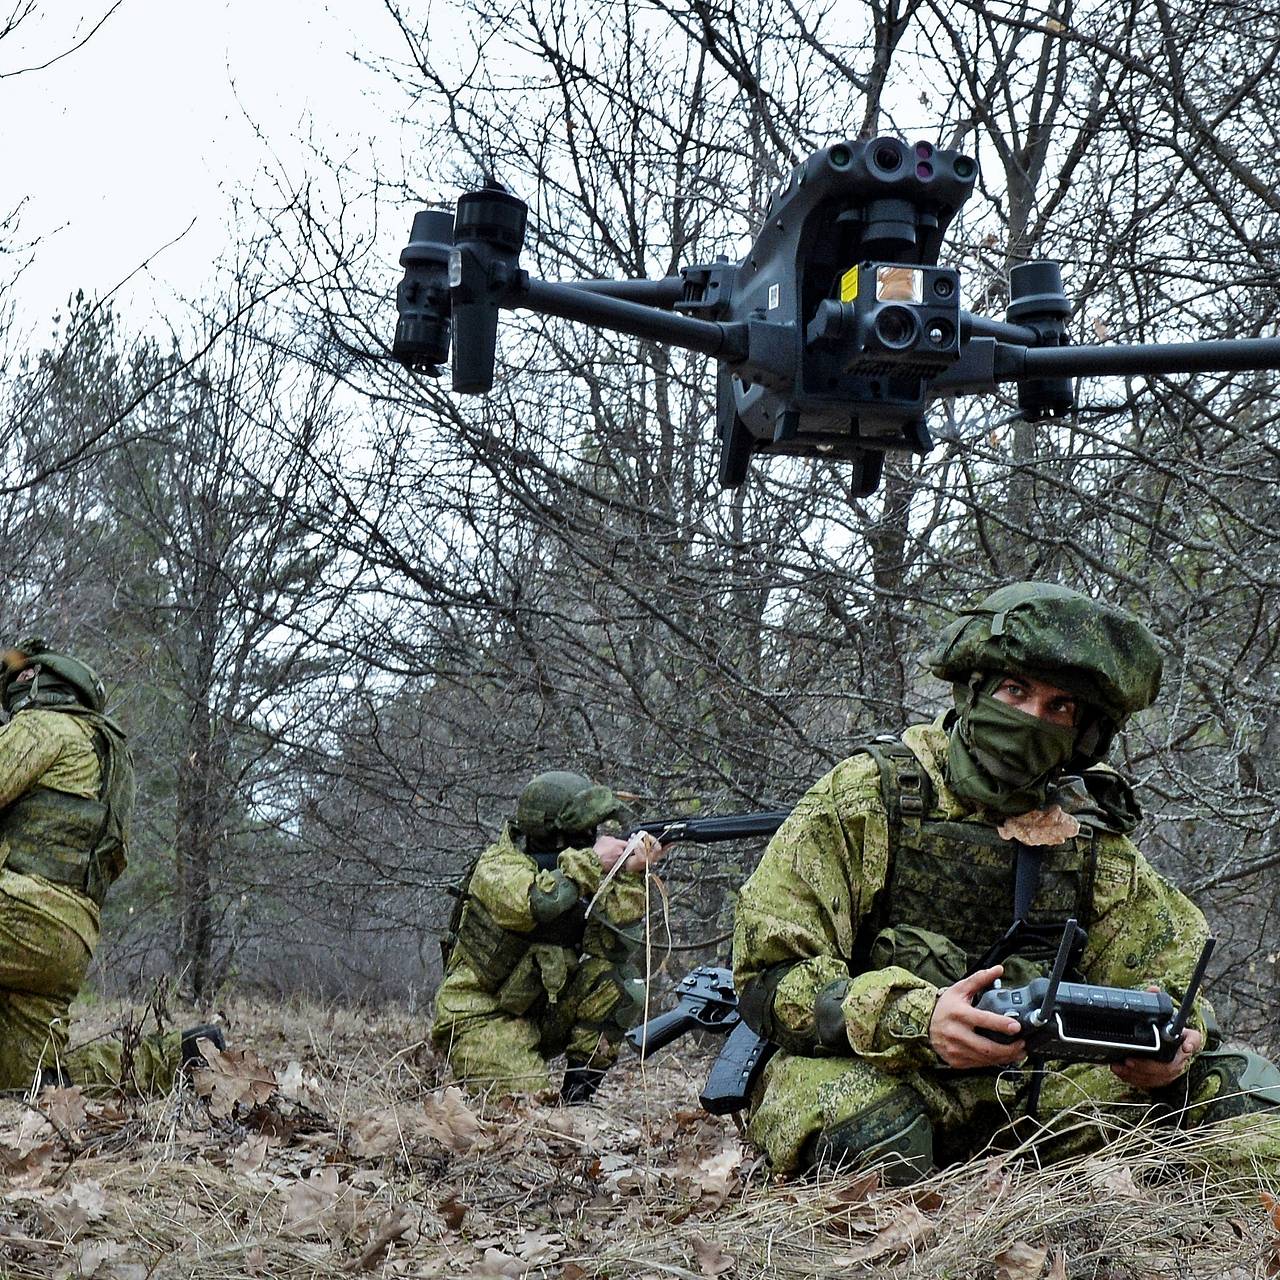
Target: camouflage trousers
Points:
(842, 1110)
(491, 1046)
(42, 967)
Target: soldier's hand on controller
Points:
(953, 1027)
(1146, 1073)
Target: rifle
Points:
(707, 1002)
(729, 826)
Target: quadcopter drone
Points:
(832, 336)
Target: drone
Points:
(832, 336)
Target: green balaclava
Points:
(1003, 759)
(999, 757)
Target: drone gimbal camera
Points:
(832, 336)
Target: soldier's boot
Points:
(53, 1078)
(580, 1083)
(900, 1146)
(191, 1057)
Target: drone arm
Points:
(972, 326)
(664, 293)
(1218, 356)
(571, 302)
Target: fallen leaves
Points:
(712, 1260)
(233, 1078)
(713, 1176)
(450, 1121)
(906, 1231)
(394, 1225)
(1020, 1261)
(320, 1206)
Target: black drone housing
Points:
(833, 335)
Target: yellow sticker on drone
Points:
(849, 285)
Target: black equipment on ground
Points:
(1083, 1023)
(706, 1001)
(833, 335)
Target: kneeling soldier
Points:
(860, 938)
(529, 974)
(66, 795)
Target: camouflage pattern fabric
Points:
(48, 931)
(47, 936)
(1090, 648)
(964, 1113)
(801, 925)
(499, 1026)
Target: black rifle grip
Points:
(659, 1032)
(735, 1072)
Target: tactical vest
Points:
(74, 840)
(491, 951)
(958, 879)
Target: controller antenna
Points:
(1174, 1030)
(1065, 948)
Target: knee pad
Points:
(894, 1135)
(1232, 1082)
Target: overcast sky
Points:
(118, 146)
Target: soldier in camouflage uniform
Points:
(66, 793)
(530, 974)
(865, 934)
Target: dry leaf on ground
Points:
(233, 1077)
(29, 1168)
(717, 1175)
(498, 1264)
(452, 1211)
(374, 1134)
(249, 1155)
(297, 1085)
(102, 1260)
(64, 1107)
(909, 1229)
(539, 1247)
(317, 1206)
(72, 1209)
(1117, 1181)
(394, 1225)
(1020, 1261)
(450, 1121)
(712, 1260)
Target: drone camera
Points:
(422, 298)
(891, 318)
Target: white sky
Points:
(117, 147)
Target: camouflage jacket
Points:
(799, 915)
(50, 749)
(512, 904)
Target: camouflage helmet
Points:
(559, 804)
(1093, 650)
(35, 675)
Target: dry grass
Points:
(360, 1163)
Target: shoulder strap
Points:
(908, 795)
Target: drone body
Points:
(832, 335)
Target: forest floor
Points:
(327, 1144)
